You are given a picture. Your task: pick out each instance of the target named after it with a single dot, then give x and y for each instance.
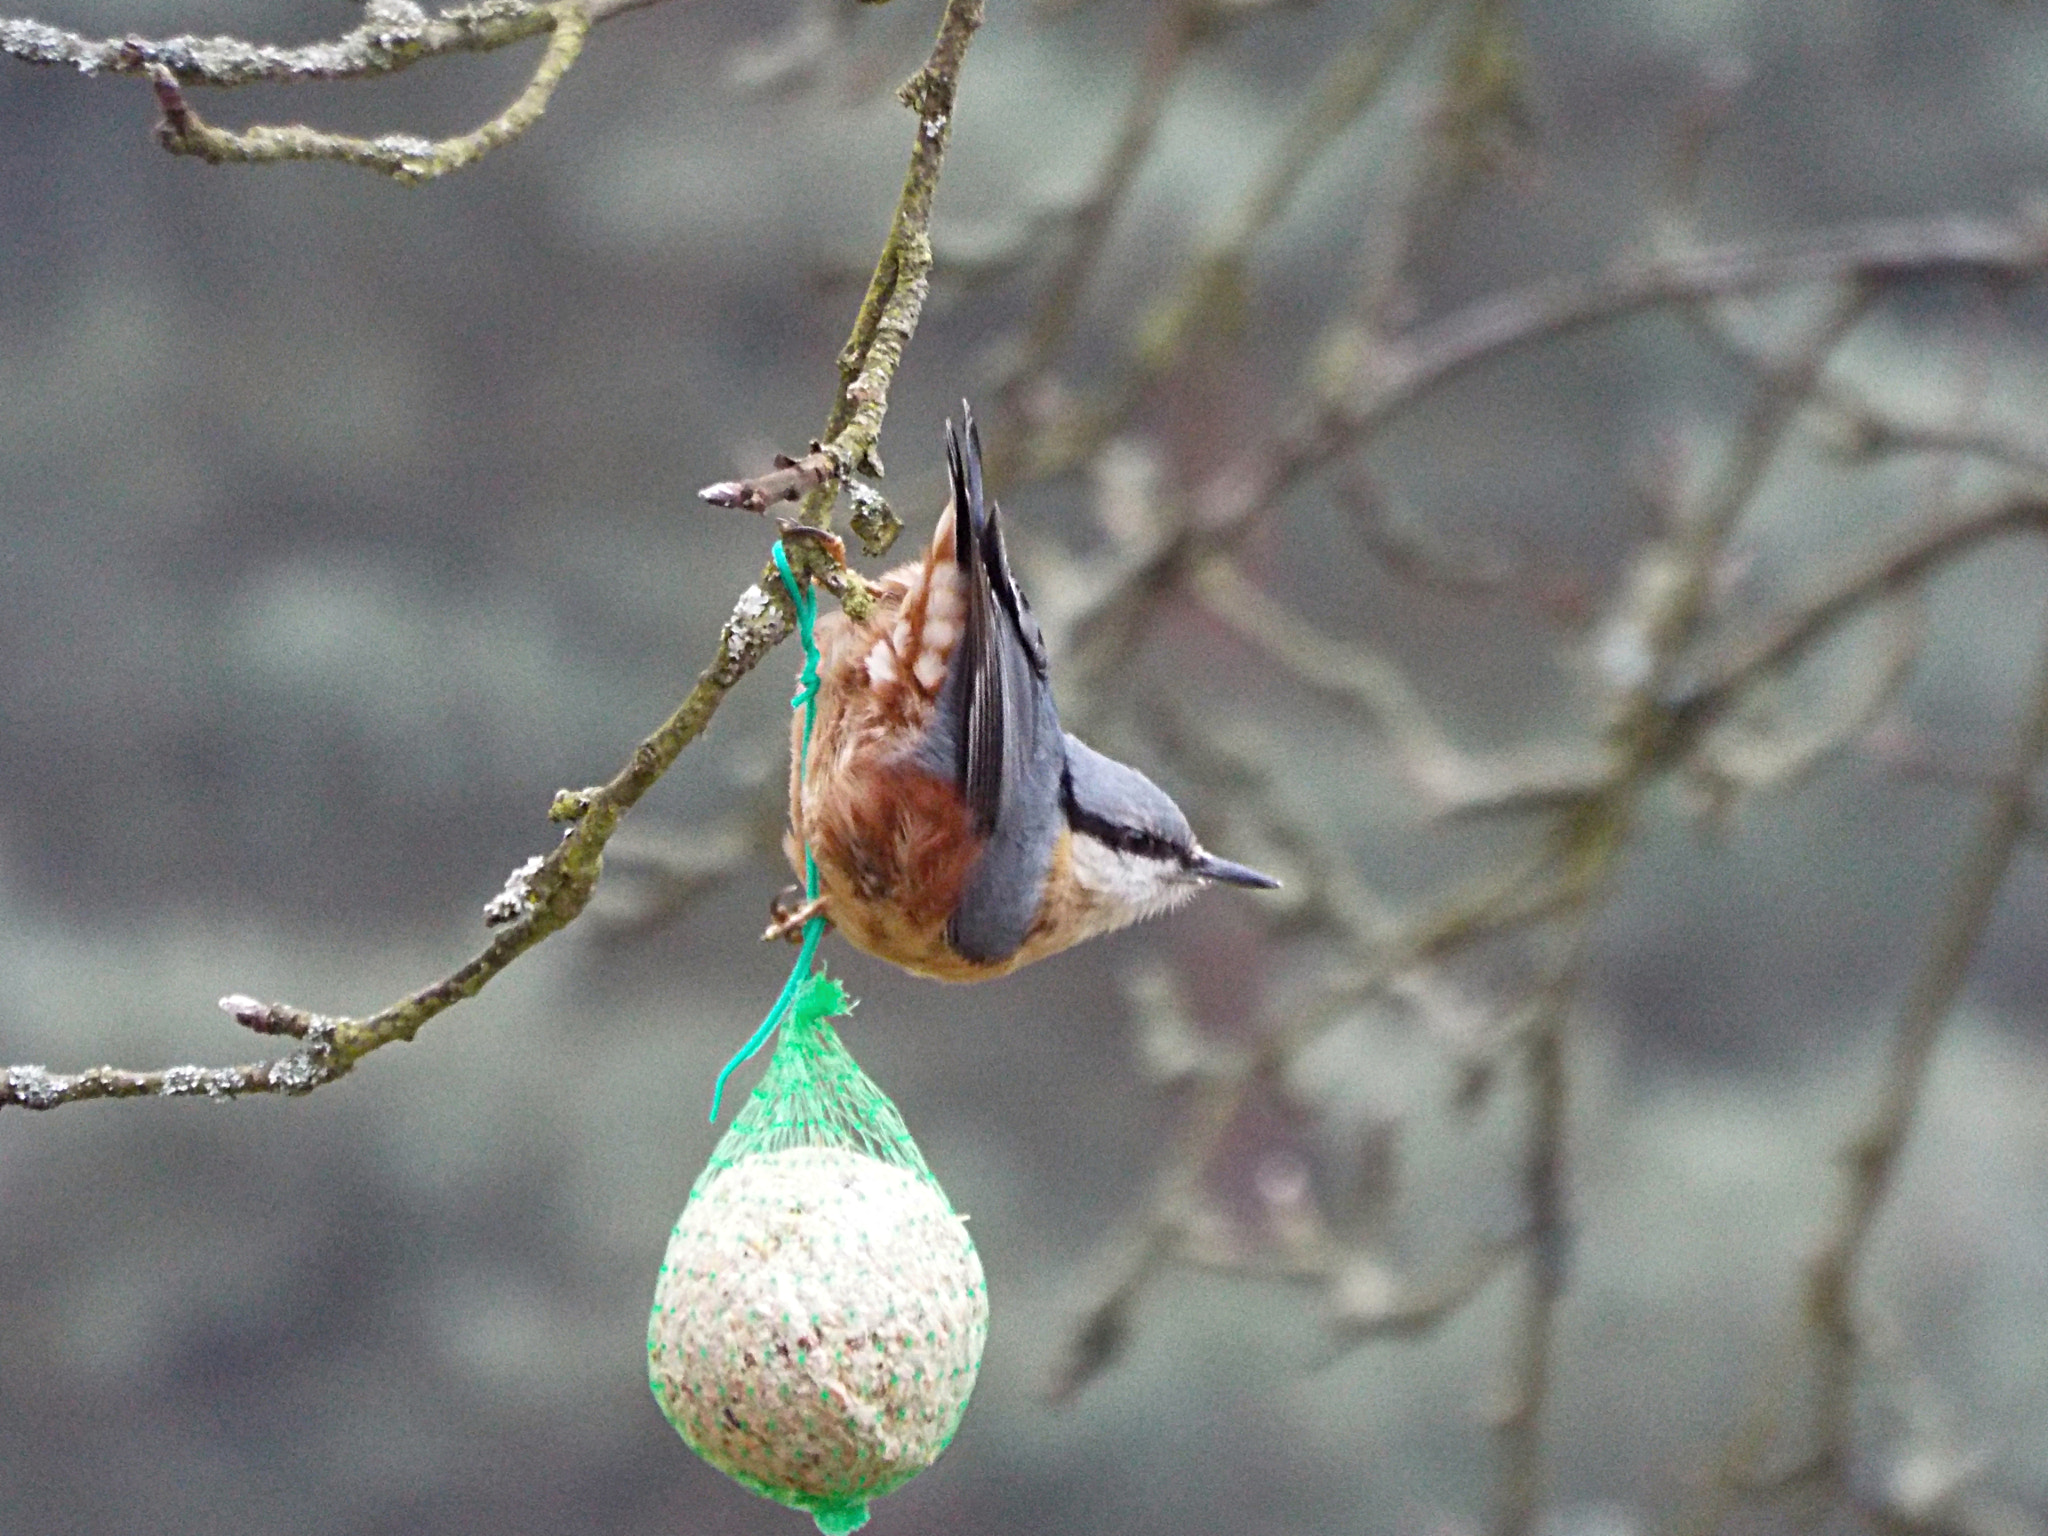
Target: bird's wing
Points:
(996, 715)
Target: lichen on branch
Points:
(396, 33)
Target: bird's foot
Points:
(822, 555)
(787, 921)
(826, 542)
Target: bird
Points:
(958, 831)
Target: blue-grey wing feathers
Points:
(997, 730)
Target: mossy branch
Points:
(403, 157)
(888, 316)
(548, 893)
(542, 897)
(396, 35)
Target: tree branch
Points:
(1872, 1155)
(1169, 42)
(895, 298)
(397, 34)
(1209, 294)
(542, 897)
(1454, 782)
(889, 312)
(548, 893)
(1919, 554)
(1389, 381)
(1827, 1303)
(403, 157)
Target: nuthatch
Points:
(958, 831)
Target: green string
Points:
(806, 699)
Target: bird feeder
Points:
(820, 1312)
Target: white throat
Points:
(1126, 887)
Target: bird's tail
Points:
(963, 472)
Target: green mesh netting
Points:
(820, 1314)
(814, 1094)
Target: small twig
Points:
(1751, 760)
(271, 1018)
(1733, 1476)
(1873, 1154)
(1349, 84)
(872, 519)
(789, 926)
(1672, 585)
(788, 481)
(1870, 431)
(1419, 556)
(1875, 433)
(1360, 1314)
(1477, 107)
(1169, 42)
(1783, 389)
(896, 293)
(1916, 555)
(1098, 1334)
(405, 158)
(1454, 782)
(1725, 756)
(1518, 1493)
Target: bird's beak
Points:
(1209, 867)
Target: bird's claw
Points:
(824, 540)
(787, 922)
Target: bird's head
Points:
(1132, 852)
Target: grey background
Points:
(343, 523)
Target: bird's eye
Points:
(1145, 845)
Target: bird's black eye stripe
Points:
(1145, 843)
(1134, 840)
(1124, 839)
